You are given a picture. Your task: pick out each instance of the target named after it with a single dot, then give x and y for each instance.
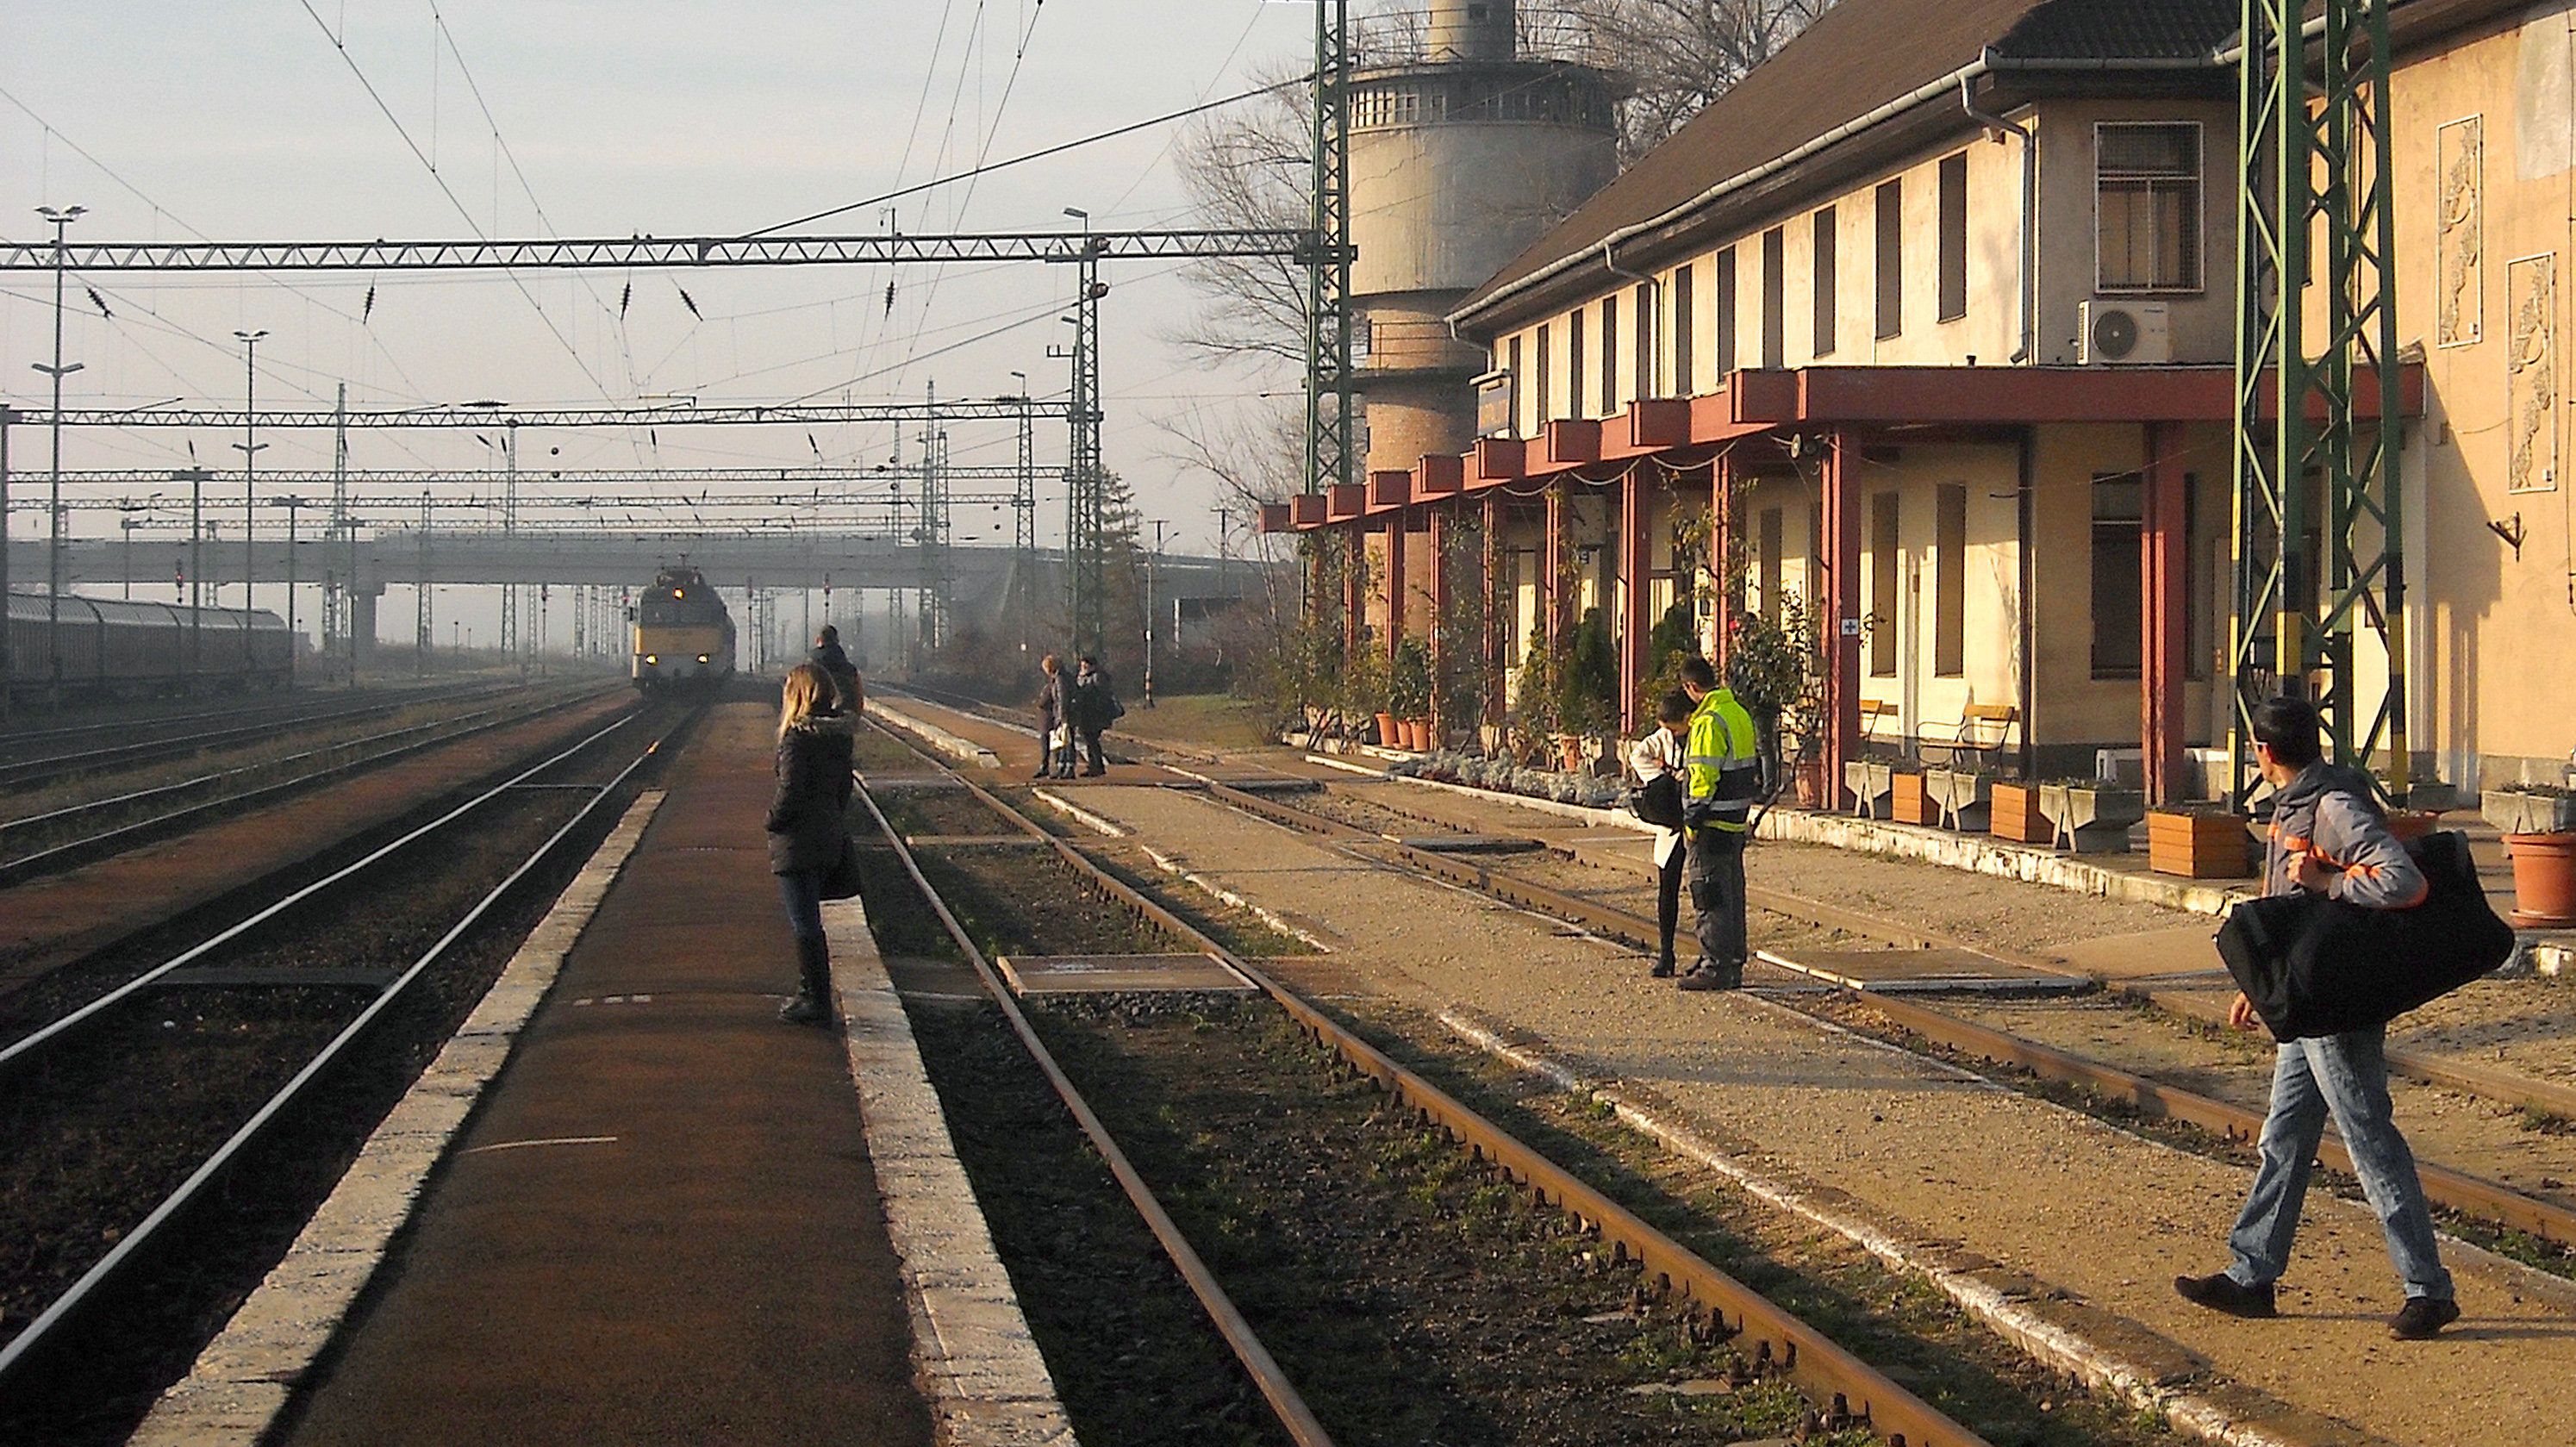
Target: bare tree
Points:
(1248, 168)
(1679, 55)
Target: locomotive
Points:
(683, 636)
(118, 648)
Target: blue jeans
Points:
(803, 895)
(2344, 1075)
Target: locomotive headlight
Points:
(652, 658)
(702, 658)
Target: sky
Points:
(253, 120)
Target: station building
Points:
(1933, 315)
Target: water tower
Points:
(1461, 156)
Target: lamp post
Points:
(1150, 618)
(195, 477)
(293, 644)
(54, 508)
(249, 448)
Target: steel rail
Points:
(13, 738)
(49, 767)
(29, 1043)
(76, 851)
(1267, 1375)
(2453, 1189)
(1769, 1336)
(30, 1339)
(651, 252)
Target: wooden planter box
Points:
(2199, 845)
(2013, 813)
(2091, 820)
(1908, 803)
(1961, 799)
(1869, 782)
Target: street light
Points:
(293, 644)
(54, 508)
(195, 477)
(249, 448)
(1150, 617)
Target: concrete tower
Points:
(1460, 158)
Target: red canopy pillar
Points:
(1354, 544)
(1394, 583)
(1552, 561)
(1636, 518)
(2163, 577)
(1839, 551)
(1443, 633)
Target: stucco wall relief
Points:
(2459, 151)
(2531, 384)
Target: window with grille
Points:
(2147, 206)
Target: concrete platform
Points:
(663, 1222)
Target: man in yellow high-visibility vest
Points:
(1721, 774)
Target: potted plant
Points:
(1534, 696)
(1870, 781)
(2089, 816)
(1774, 666)
(2539, 826)
(2199, 841)
(2013, 813)
(1408, 692)
(1364, 692)
(1962, 798)
(1588, 698)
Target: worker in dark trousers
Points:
(1656, 760)
(1095, 707)
(1721, 775)
(2329, 837)
(851, 695)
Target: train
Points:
(683, 635)
(120, 648)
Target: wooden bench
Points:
(1979, 736)
(1871, 711)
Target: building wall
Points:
(2485, 196)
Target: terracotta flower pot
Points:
(2198, 845)
(1417, 735)
(2014, 814)
(1387, 737)
(2544, 880)
(2409, 825)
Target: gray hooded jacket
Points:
(2329, 812)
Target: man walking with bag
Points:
(1722, 772)
(2328, 837)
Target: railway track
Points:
(93, 748)
(131, 1111)
(2470, 1196)
(76, 834)
(1844, 1390)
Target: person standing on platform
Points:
(1051, 714)
(1095, 708)
(808, 833)
(2328, 837)
(1656, 760)
(1721, 774)
(851, 694)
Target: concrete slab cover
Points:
(1119, 974)
(718, 1271)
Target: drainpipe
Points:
(2029, 212)
(1648, 385)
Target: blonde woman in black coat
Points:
(807, 831)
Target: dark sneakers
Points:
(1708, 977)
(1663, 969)
(2223, 1292)
(2422, 1318)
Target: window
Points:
(1610, 353)
(1891, 259)
(1775, 304)
(1722, 353)
(1883, 551)
(1644, 311)
(2119, 512)
(1512, 369)
(1825, 282)
(1771, 520)
(1954, 237)
(1546, 395)
(1574, 363)
(1950, 583)
(2146, 179)
(1685, 379)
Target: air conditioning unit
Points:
(2123, 333)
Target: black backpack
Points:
(1658, 801)
(2318, 966)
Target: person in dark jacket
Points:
(1094, 708)
(828, 656)
(2329, 837)
(1051, 716)
(807, 831)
